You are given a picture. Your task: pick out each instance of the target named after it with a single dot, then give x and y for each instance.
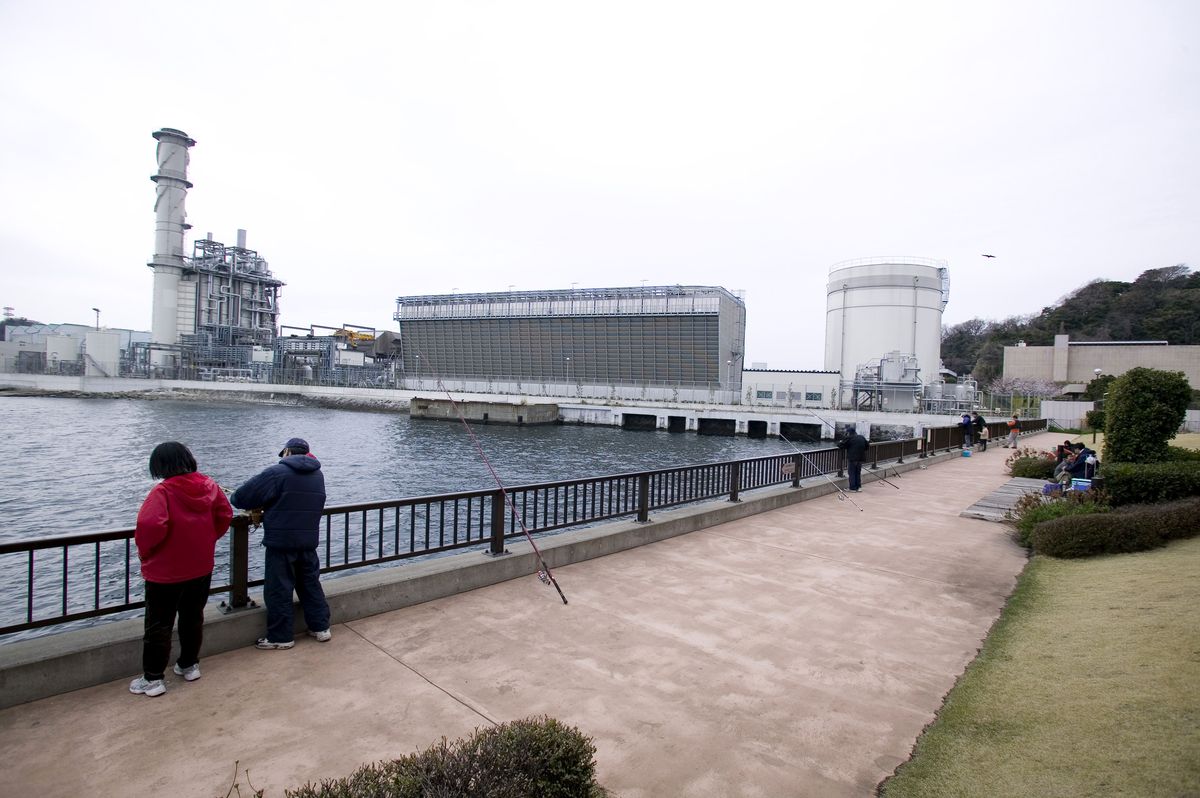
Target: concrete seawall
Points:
(33, 669)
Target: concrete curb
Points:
(42, 667)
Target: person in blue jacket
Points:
(291, 495)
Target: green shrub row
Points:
(1179, 454)
(1032, 463)
(1034, 508)
(1145, 483)
(1125, 529)
(531, 758)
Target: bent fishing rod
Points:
(842, 495)
(544, 573)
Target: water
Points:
(70, 466)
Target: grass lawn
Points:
(1088, 685)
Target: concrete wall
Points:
(485, 412)
(33, 669)
(1077, 362)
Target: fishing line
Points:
(544, 572)
(881, 477)
(842, 495)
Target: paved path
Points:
(794, 653)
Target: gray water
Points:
(69, 466)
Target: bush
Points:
(1145, 483)
(1144, 410)
(1034, 508)
(531, 758)
(1094, 419)
(1178, 454)
(1134, 528)
(1032, 463)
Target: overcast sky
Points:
(374, 150)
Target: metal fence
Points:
(55, 580)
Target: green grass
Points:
(1088, 685)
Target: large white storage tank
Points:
(880, 305)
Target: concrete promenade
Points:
(798, 652)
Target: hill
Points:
(1160, 305)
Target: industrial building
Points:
(664, 338)
(218, 309)
(1076, 363)
(883, 335)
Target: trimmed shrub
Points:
(531, 758)
(1178, 454)
(1034, 508)
(1033, 463)
(1144, 410)
(1127, 529)
(1145, 483)
(1094, 419)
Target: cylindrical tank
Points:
(879, 305)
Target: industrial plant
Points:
(216, 317)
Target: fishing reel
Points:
(542, 575)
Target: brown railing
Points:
(54, 580)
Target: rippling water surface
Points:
(80, 465)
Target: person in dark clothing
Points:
(291, 494)
(980, 427)
(856, 452)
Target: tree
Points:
(1098, 387)
(1144, 410)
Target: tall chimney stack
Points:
(168, 264)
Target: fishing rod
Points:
(881, 477)
(544, 573)
(842, 495)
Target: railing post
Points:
(874, 456)
(498, 513)
(735, 480)
(643, 498)
(841, 460)
(239, 565)
(796, 470)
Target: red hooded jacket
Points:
(178, 527)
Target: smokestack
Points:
(241, 239)
(168, 264)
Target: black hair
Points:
(171, 459)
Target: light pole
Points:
(1095, 403)
(418, 371)
(97, 317)
(568, 372)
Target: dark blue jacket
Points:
(292, 496)
(1080, 468)
(856, 447)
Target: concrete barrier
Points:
(41, 667)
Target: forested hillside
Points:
(1160, 305)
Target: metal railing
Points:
(55, 580)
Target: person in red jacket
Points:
(177, 531)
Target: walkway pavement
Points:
(797, 652)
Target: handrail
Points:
(73, 577)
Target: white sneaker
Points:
(324, 636)
(143, 686)
(268, 645)
(189, 674)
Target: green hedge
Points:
(531, 758)
(1126, 529)
(1179, 454)
(1031, 463)
(1034, 508)
(1145, 483)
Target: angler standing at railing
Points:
(291, 495)
(177, 531)
(856, 447)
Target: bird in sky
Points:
(989, 256)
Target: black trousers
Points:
(165, 600)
